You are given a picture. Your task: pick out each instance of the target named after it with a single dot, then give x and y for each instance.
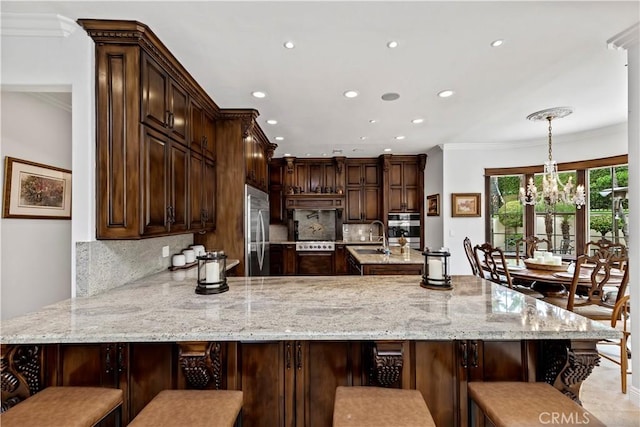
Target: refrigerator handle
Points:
(260, 238)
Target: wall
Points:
(463, 172)
(433, 232)
(36, 253)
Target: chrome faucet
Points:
(385, 242)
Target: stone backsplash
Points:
(107, 264)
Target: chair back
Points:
(530, 244)
(473, 262)
(492, 261)
(607, 270)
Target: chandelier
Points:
(553, 190)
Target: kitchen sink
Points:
(370, 251)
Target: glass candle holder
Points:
(212, 273)
(436, 269)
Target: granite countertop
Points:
(411, 256)
(161, 308)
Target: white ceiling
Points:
(555, 54)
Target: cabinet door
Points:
(276, 192)
(155, 83)
(354, 205)
(341, 259)
(289, 255)
(371, 203)
(276, 260)
(178, 112)
(196, 126)
(196, 192)
(178, 187)
(209, 194)
(267, 383)
(371, 174)
(154, 182)
(353, 176)
(209, 132)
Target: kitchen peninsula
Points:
(287, 342)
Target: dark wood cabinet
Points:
(289, 258)
(276, 260)
(258, 151)
(165, 169)
(151, 115)
(164, 101)
(315, 263)
(403, 186)
(341, 259)
(363, 190)
(292, 383)
(276, 191)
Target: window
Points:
(567, 228)
(608, 204)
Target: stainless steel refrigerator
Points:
(256, 232)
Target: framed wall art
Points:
(34, 190)
(465, 204)
(433, 205)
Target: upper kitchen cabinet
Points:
(363, 190)
(314, 175)
(164, 102)
(403, 178)
(202, 135)
(276, 191)
(155, 137)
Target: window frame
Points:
(580, 167)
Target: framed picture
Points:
(34, 190)
(433, 205)
(465, 204)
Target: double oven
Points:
(404, 224)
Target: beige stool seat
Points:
(377, 406)
(64, 407)
(522, 404)
(193, 408)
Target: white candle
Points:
(212, 272)
(435, 269)
(557, 260)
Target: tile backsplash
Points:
(107, 264)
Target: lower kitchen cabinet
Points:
(276, 260)
(141, 370)
(315, 263)
(341, 259)
(293, 383)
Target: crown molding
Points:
(625, 39)
(37, 25)
(51, 99)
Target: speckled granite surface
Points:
(412, 256)
(161, 308)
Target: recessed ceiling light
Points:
(416, 121)
(287, 154)
(351, 94)
(272, 122)
(337, 151)
(363, 138)
(289, 44)
(390, 96)
(279, 138)
(497, 43)
(324, 154)
(307, 154)
(400, 137)
(392, 44)
(445, 93)
(258, 94)
(387, 149)
(372, 121)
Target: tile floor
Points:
(601, 395)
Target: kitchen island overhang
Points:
(160, 309)
(294, 339)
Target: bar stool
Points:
(378, 406)
(522, 404)
(193, 408)
(65, 407)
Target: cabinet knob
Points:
(205, 142)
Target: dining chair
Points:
(492, 262)
(620, 321)
(530, 244)
(471, 256)
(608, 275)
